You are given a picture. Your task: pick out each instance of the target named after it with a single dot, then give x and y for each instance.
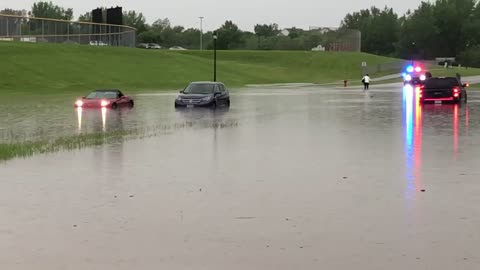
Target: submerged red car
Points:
(112, 99)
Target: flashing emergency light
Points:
(418, 69)
(410, 69)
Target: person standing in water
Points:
(366, 82)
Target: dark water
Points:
(292, 178)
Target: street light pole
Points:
(201, 33)
(215, 56)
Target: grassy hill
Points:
(51, 68)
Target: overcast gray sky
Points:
(245, 13)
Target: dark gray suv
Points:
(203, 94)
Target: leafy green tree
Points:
(470, 57)
(229, 36)
(190, 38)
(295, 32)
(384, 33)
(472, 27)
(160, 25)
(361, 21)
(451, 20)
(136, 20)
(380, 29)
(266, 30)
(148, 37)
(51, 11)
(419, 34)
(87, 17)
(9, 11)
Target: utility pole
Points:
(215, 56)
(201, 33)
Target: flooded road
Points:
(293, 178)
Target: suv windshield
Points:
(199, 88)
(105, 95)
(441, 83)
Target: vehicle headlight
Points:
(179, 98)
(104, 103)
(79, 103)
(207, 98)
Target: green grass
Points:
(475, 86)
(72, 69)
(55, 69)
(442, 72)
(28, 148)
(25, 149)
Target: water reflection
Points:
(85, 118)
(449, 117)
(455, 132)
(412, 126)
(202, 113)
(104, 119)
(437, 117)
(79, 117)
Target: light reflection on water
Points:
(104, 119)
(79, 116)
(411, 156)
(437, 118)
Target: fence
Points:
(28, 29)
(339, 39)
(390, 67)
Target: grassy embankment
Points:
(69, 69)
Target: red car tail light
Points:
(456, 92)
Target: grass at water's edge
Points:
(29, 148)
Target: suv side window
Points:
(222, 88)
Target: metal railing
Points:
(30, 29)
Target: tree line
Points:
(441, 28)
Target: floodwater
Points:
(286, 179)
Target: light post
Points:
(215, 56)
(201, 33)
